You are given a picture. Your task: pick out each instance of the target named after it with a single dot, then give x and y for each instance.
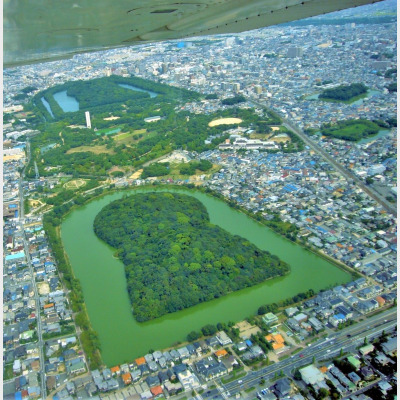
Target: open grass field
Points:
(75, 184)
(281, 138)
(126, 135)
(92, 149)
(225, 121)
(129, 138)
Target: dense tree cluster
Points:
(102, 91)
(230, 101)
(352, 130)
(390, 72)
(274, 307)
(392, 87)
(174, 257)
(98, 94)
(343, 92)
(191, 167)
(155, 169)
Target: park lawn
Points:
(93, 149)
(75, 184)
(128, 138)
(125, 135)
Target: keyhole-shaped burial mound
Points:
(174, 257)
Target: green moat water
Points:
(103, 281)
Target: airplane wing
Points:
(45, 30)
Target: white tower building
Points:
(88, 123)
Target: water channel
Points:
(381, 133)
(47, 105)
(130, 87)
(104, 286)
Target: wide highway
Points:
(346, 340)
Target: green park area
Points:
(120, 134)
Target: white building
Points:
(223, 338)
(88, 123)
(311, 375)
(188, 380)
(376, 169)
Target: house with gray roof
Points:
(156, 355)
(152, 366)
(167, 356)
(163, 362)
(390, 346)
(209, 368)
(183, 353)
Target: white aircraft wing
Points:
(40, 30)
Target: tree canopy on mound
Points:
(343, 92)
(174, 257)
(352, 130)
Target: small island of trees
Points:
(352, 130)
(344, 92)
(174, 257)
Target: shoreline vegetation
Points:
(52, 223)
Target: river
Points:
(103, 281)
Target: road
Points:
(340, 168)
(39, 322)
(323, 349)
(344, 171)
(32, 273)
(20, 184)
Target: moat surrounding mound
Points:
(174, 257)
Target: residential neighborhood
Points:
(337, 342)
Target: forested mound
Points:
(352, 130)
(174, 257)
(343, 92)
